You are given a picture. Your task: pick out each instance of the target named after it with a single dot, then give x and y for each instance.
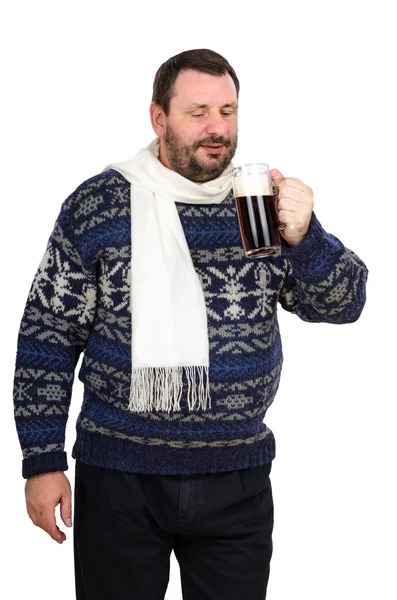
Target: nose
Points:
(216, 124)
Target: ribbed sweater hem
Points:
(113, 453)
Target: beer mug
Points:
(256, 200)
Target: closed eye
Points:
(226, 114)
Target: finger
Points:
(286, 210)
(277, 177)
(276, 174)
(56, 534)
(294, 222)
(288, 203)
(66, 508)
(289, 227)
(293, 192)
(48, 523)
(295, 183)
(293, 188)
(288, 218)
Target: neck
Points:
(163, 158)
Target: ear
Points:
(158, 119)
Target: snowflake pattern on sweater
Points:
(79, 304)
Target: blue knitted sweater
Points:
(79, 302)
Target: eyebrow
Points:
(195, 105)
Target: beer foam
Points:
(252, 185)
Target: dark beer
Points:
(258, 225)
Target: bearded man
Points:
(145, 274)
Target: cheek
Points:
(232, 129)
(187, 128)
(190, 133)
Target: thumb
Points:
(66, 508)
(277, 176)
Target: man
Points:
(144, 272)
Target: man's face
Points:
(199, 137)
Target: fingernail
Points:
(69, 522)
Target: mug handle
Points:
(280, 225)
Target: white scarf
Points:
(168, 314)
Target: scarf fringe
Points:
(160, 388)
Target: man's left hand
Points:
(295, 206)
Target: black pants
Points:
(126, 525)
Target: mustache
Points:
(214, 140)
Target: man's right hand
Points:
(43, 493)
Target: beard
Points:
(183, 159)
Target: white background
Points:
(317, 102)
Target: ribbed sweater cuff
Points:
(309, 245)
(44, 463)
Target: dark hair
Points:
(205, 61)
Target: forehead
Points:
(201, 88)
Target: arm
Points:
(53, 332)
(325, 281)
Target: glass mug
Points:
(256, 200)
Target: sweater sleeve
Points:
(54, 329)
(325, 282)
